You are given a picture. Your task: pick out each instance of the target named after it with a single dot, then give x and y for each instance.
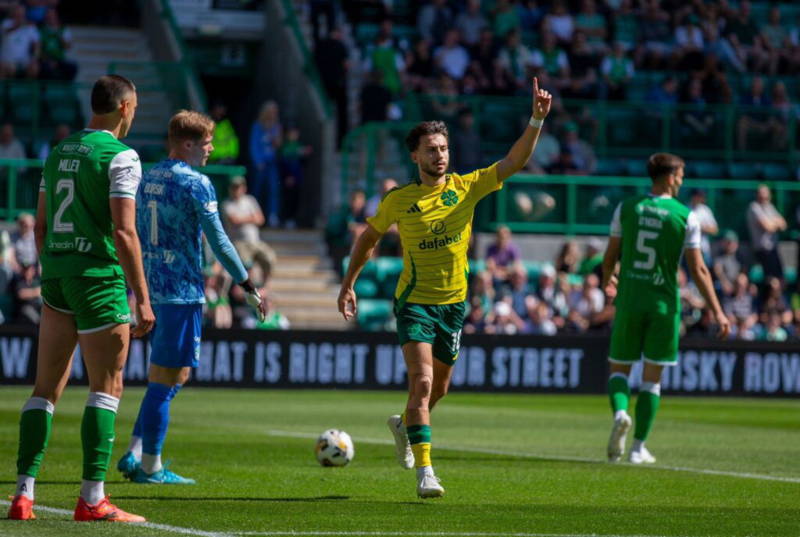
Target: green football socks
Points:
(35, 424)
(97, 434)
(646, 408)
(619, 393)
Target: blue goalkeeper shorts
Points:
(175, 340)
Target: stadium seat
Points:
(790, 273)
(366, 288)
(756, 274)
(636, 167)
(776, 171)
(706, 169)
(534, 268)
(6, 305)
(610, 166)
(373, 314)
(387, 271)
(621, 126)
(476, 265)
(744, 170)
(61, 104)
(23, 100)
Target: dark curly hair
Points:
(423, 129)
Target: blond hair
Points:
(189, 125)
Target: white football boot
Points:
(641, 456)
(616, 441)
(402, 447)
(428, 485)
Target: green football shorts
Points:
(645, 334)
(439, 325)
(96, 303)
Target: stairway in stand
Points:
(304, 285)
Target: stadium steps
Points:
(303, 286)
(96, 48)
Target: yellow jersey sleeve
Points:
(482, 182)
(385, 215)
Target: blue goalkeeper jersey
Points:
(174, 205)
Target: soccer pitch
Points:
(512, 465)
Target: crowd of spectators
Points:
(34, 42)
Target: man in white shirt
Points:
(708, 224)
(20, 50)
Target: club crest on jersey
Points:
(449, 198)
(438, 227)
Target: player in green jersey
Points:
(649, 233)
(88, 245)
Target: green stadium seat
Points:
(387, 271)
(6, 305)
(756, 274)
(61, 104)
(476, 265)
(745, 170)
(706, 169)
(636, 167)
(366, 288)
(776, 171)
(621, 124)
(610, 167)
(23, 100)
(790, 273)
(373, 314)
(534, 268)
(366, 33)
(369, 270)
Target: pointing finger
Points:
(535, 86)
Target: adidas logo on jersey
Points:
(414, 209)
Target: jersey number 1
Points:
(643, 248)
(153, 206)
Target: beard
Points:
(432, 171)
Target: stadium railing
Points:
(19, 184)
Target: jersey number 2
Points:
(643, 248)
(59, 225)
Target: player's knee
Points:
(421, 386)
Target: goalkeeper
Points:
(175, 205)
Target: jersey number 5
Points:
(648, 251)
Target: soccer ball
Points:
(334, 448)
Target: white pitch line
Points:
(524, 455)
(149, 525)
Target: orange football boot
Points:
(103, 511)
(21, 508)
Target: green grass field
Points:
(513, 465)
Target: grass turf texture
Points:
(254, 477)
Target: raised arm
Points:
(362, 251)
(523, 148)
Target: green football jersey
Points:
(654, 231)
(80, 175)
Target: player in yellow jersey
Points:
(434, 217)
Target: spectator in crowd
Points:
(783, 111)
(343, 225)
(505, 18)
(741, 32)
(531, 14)
(61, 131)
(387, 185)
(266, 136)
(332, 59)
(705, 216)
(451, 58)
(587, 300)
(386, 55)
(617, 72)
(740, 307)
(243, 218)
(592, 258)
(773, 329)
(465, 143)
(550, 291)
(319, 10)
(665, 94)
(697, 121)
(775, 40)
(484, 56)
(420, 67)
(434, 20)
(482, 289)
(727, 265)
(773, 301)
(375, 99)
(26, 290)
(502, 256)
(765, 222)
(582, 82)
(518, 292)
(10, 146)
(445, 100)
(225, 141)
(657, 46)
(55, 41)
(691, 301)
(292, 155)
(517, 59)
(551, 59)
(625, 25)
(568, 258)
(689, 45)
(23, 243)
(470, 23)
(503, 320)
(475, 323)
(20, 51)
(593, 25)
(559, 22)
(755, 118)
(547, 151)
(217, 311)
(36, 10)
(539, 319)
(581, 153)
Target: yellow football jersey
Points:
(435, 224)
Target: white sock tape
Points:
(39, 403)
(652, 387)
(103, 400)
